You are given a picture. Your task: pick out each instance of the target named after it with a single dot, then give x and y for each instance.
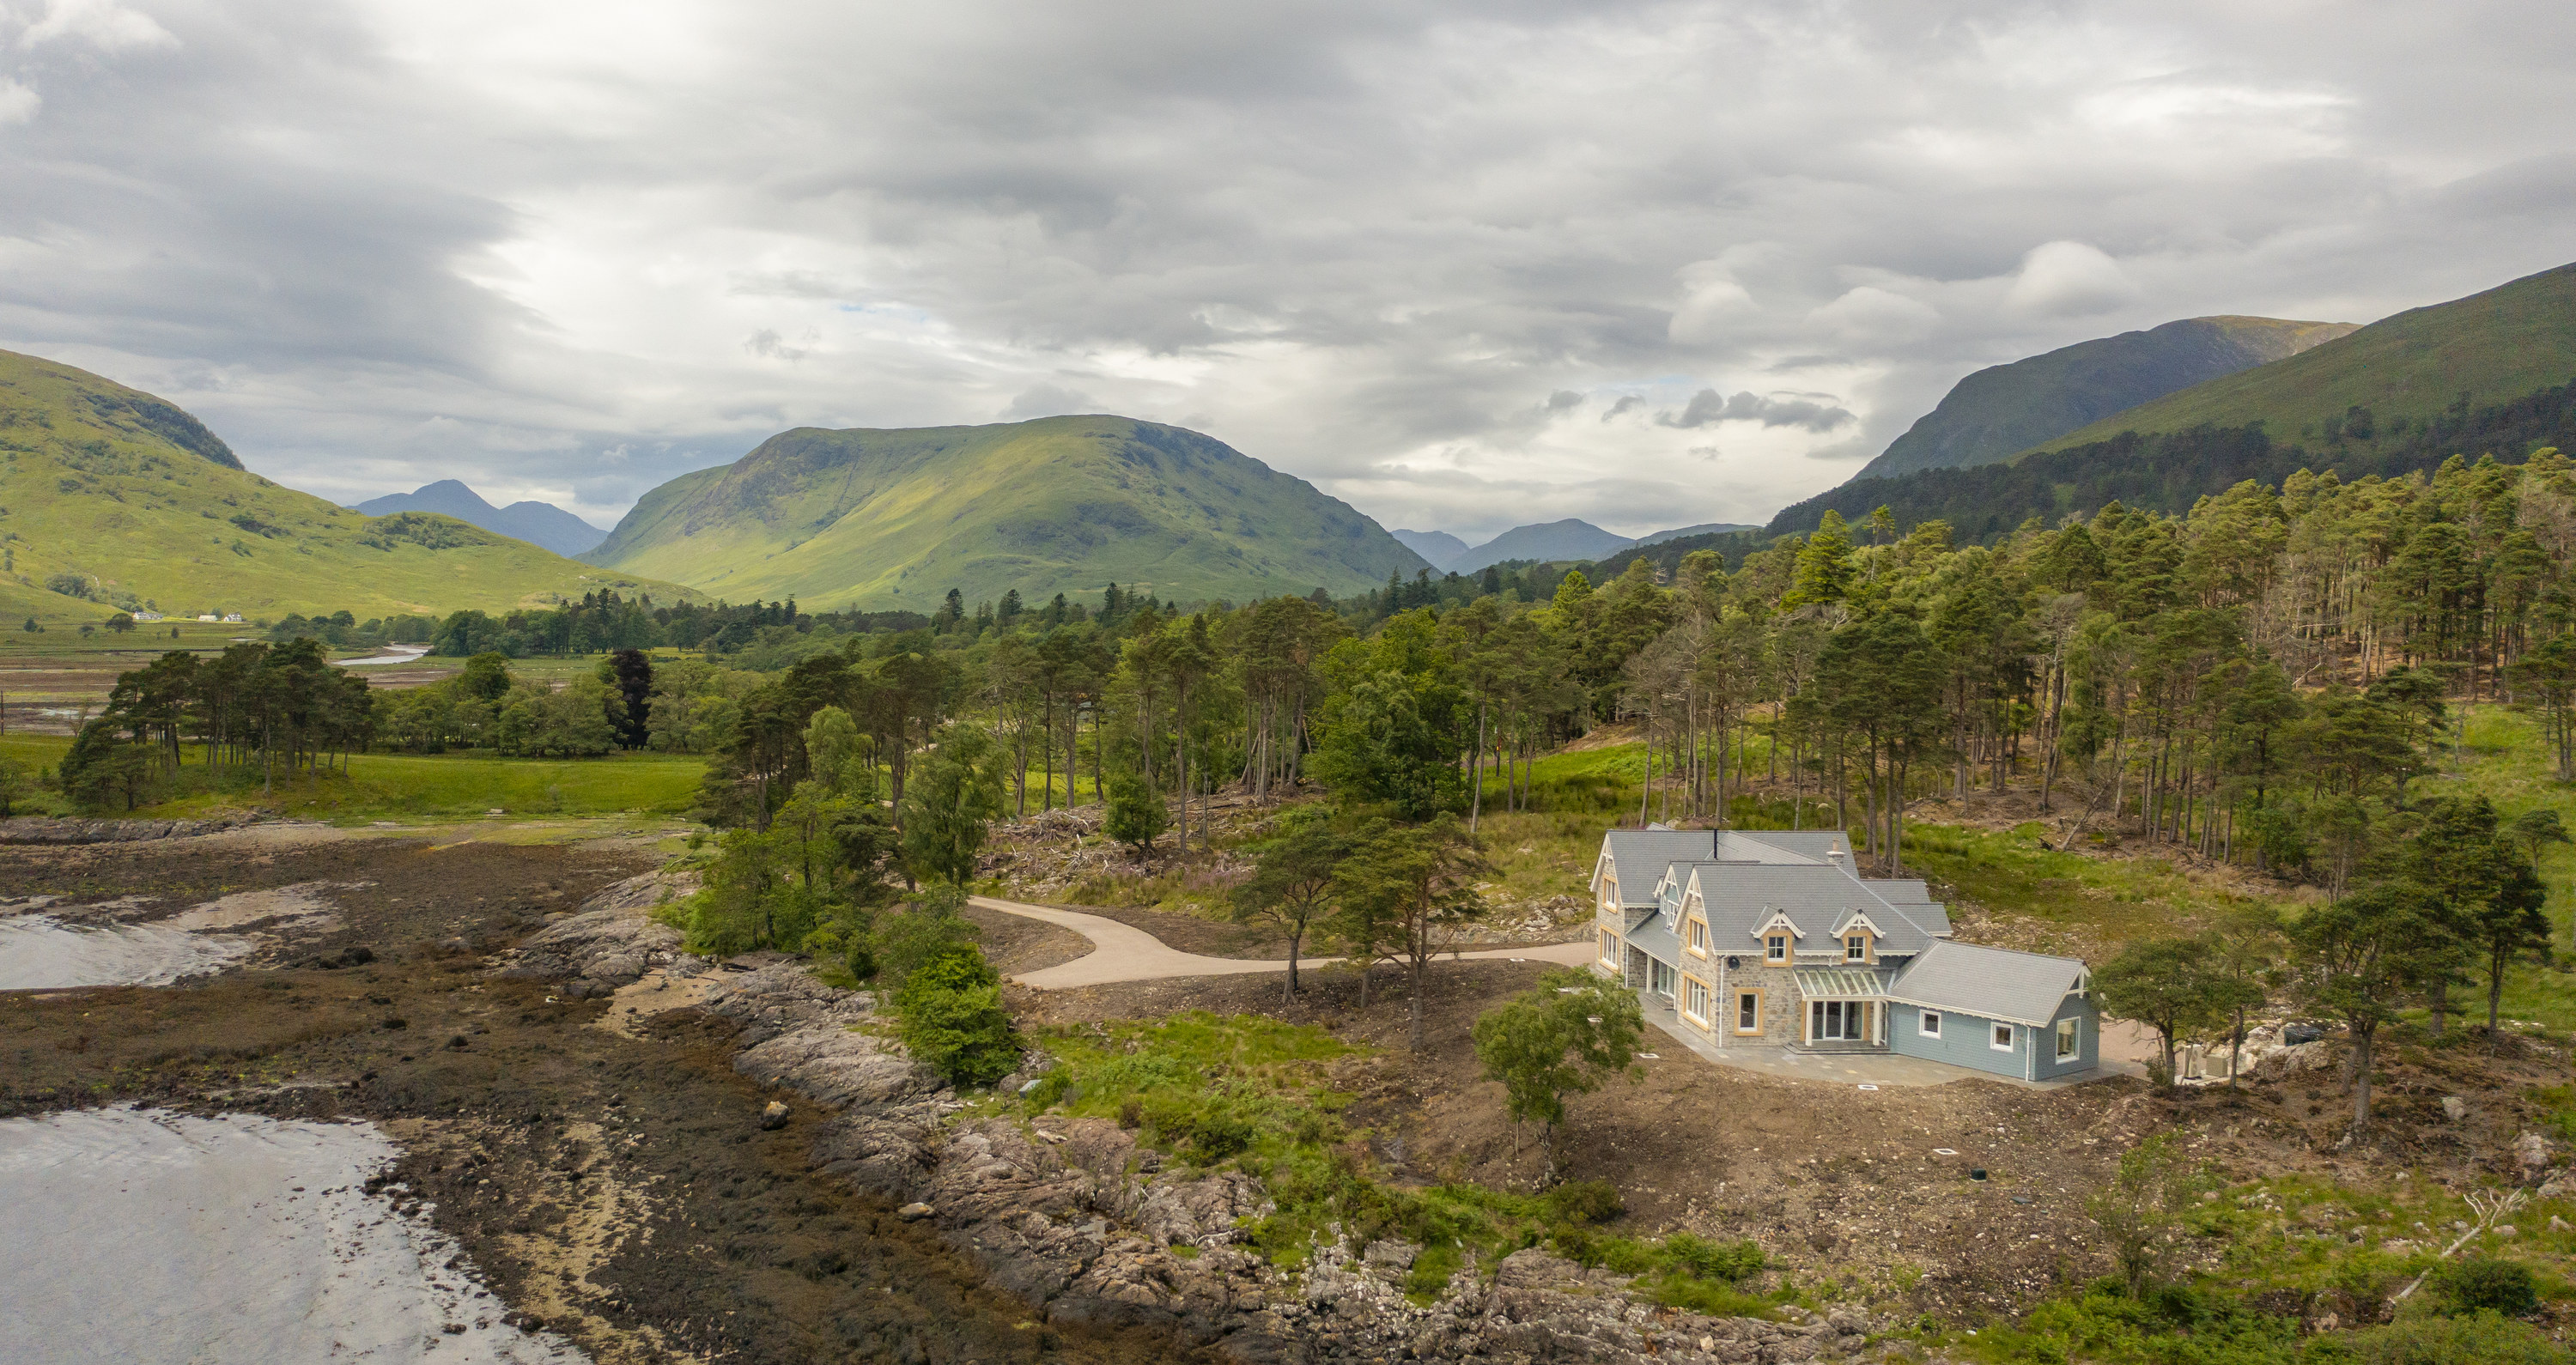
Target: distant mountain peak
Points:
(538, 523)
(1570, 538)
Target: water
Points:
(141, 1236)
(40, 952)
(394, 654)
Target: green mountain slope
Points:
(895, 518)
(143, 504)
(2003, 410)
(2494, 373)
(2406, 370)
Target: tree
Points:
(2169, 984)
(14, 785)
(121, 623)
(902, 941)
(2511, 926)
(1136, 814)
(1291, 884)
(1420, 880)
(952, 1018)
(2140, 1211)
(630, 671)
(1568, 1036)
(949, 809)
(486, 676)
(2242, 951)
(2359, 958)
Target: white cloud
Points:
(18, 104)
(102, 23)
(2069, 279)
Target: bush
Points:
(1136, 812)
(903, 941)
(952, 1018)
(2481, 1283)
(1586, 1201)
(2476, 1339)
(1707, 1260)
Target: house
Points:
(148, 616)
(208, 617)
(1769, 938)
(232, 618)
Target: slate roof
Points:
(1641, 855)
(1739, 899)
(1998, 983)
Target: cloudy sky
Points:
(1464, 265)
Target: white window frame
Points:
(1695, 991)
(2009, 1033)
(1856, 948)
(1609, 949)
(1699, 937)
(1743, 998)
(1928, 1023)
(2070, 1038)
(1775, 947)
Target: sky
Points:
(1461, 265)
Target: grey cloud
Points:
(1562, 399)
(1047, 400)
(1803, 411)
(1344, 237)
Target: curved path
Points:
(1121, 952)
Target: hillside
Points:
(1705, 528)
(1998, 412)
(1571, 538)
(1437, 546)
(2494, 373)
(895, 518)
(538, 523)
(2405, 370)
(143, 505)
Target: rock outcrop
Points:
(610, 941)
(37, 829)
(1073, 1216)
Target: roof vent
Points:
(1836, 853)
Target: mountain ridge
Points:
(539, 523)
(895, 517)
(134, 501)
(1998, 412)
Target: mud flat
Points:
(139, 1235)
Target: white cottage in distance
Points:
(1769, 938)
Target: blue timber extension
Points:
(1769, 938)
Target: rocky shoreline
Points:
(39, 829)
(1074, 1218)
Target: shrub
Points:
(1586, 1201)
(950, 1009)
(2482, 1283)
(2483, 1338)
(1136, 813)
(1707, 1260)
(910, 937)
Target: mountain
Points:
(895, 518)
(1705, 528)
(2003, 410)
(2404, 370)
(1567, 539)
(1436, 546)
(116, 491)
(2491, 373)
(538, 523)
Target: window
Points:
(1856, 948)
(1609, 948)
(1931, 1023)
(1776, 948)
(2003, 1040)
(1748, 1012)
(1695, 1001)
(1837, 1021)
(1699, 937)
(2069, 1038)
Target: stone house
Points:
(1769, 938)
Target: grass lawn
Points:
(418, 787)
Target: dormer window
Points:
(1699, 937)
(1775, 948)
(1856, 948)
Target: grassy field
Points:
(424, 787)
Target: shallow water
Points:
(137, 1235)
(394, 654)
(40, 952)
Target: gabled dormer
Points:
(1856, 939)
(1776, 940)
